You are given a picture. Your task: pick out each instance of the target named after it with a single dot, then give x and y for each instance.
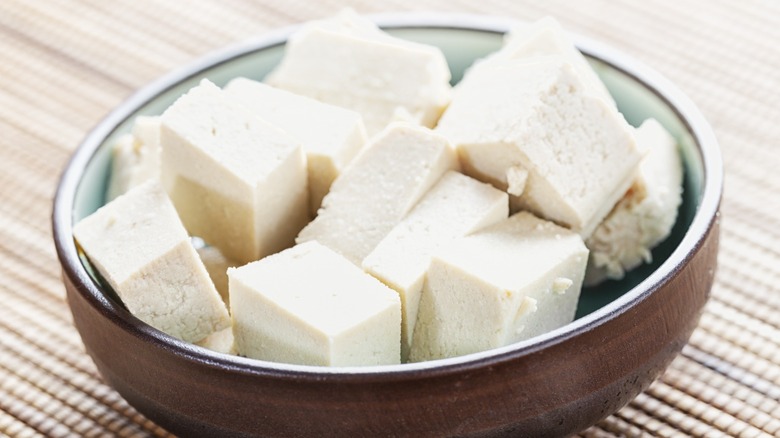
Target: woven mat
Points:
(65, 64)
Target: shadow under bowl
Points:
(626, 332)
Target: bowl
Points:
(625, 334)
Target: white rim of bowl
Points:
(684, 108)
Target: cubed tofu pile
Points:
(358, 210)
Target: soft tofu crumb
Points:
(561, 284)
(516, 179)
(645, 216)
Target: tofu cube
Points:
(146, 130)
(532, 128)
(646, 214)
(378, 189)
(140, 247)
(216, 265)
(546, 37)
(329, 135)
(237, 182)
(308, 305)
(136, 157)
(349, 62)
(457, 205)
(509, 282)
(221, 341)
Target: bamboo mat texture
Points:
(65, 64)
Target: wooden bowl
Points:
(624, 336)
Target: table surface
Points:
(65, 64)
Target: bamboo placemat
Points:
(65, 64)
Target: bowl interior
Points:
(461, 47)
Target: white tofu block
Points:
(646, 214)
(457, 205)
(546, 37)
(349, 62)
(146, 130)
(378, 189)
(216, 265)
(530, 127)
(329, 135)
(136, 157)
(237, 182)
(308, 305)
(509, 282)
(141, 249)
(221, 341)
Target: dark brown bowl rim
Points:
(686, 110)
